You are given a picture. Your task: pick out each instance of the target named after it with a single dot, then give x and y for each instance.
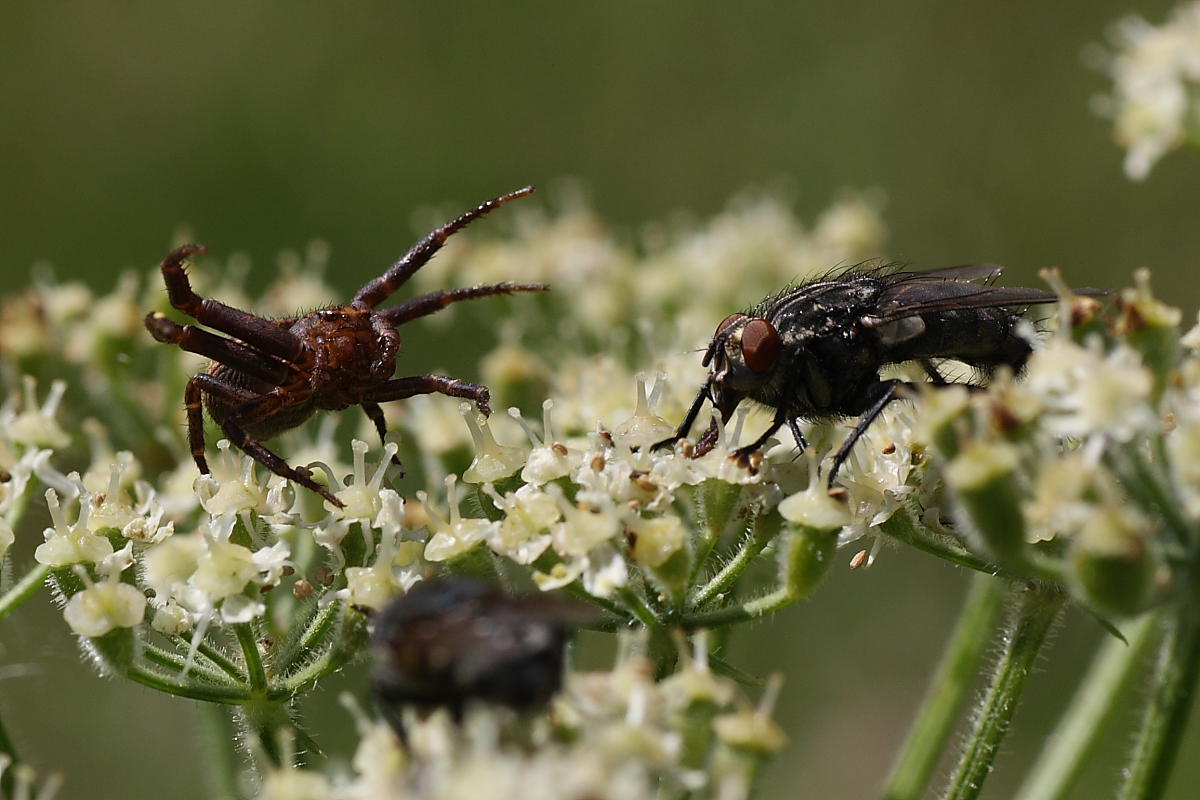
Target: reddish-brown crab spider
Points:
(270, 375)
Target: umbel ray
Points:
(269, 375)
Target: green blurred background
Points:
(262, 125)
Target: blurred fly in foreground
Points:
(450, 641)
(814, 351)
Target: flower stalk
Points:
(1172, 693)
(1022, 637)
(948, 689)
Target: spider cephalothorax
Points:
(270, 375)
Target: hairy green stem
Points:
(255, 670)
(177, 664)
(1150, 491)
(211, 694)
(220, 743)
(1092, 707)
(903, 528)
(716, 501)
(918, 758)
(1022, 638)
(752, 609)
(1171, 694)
(346, 646)
(639, 608)
(24, 589)
(309, 639)
(759, 537)
(218, 659)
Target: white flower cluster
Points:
(1057, 475)
(1156, 76)
(614, 734)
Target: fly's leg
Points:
(688, 420)
(877, 399)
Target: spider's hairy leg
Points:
(225, 351)
(375, 414)
(400, 388)
(435, 301)
(378, 289)
(259, 407)
(193, 400)
(263, 334)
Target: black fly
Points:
(449, 641)
(814, 351)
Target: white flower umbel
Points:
(108, 604)
(35, 424)
(1156, 76)
(397, 564)
(362, 495)
(550, 458)
(453, 537)
(70, 544)
(493, 460)
(524, 533)
(645, 427)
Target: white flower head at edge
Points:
(493, 460)
(454, 536)
(107, 604)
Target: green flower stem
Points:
(255, 670)
(218, 659)
(762, 534)
(24, 589)
(310, 639)
(1150, 491)
(638, 607)
(220, 744)
(903, 528)
(267, 723)
(934, 723)
(348, 643)
(1171, 695)
(176, 664)
(767, 604)
(198, 691)
(1058, 766)
(716, 502)
(1021, 640)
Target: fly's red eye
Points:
(760, 345)
(725, 323)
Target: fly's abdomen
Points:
(985, 338)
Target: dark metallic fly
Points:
(449, 641)
(814, 351)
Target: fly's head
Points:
(742, 358)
